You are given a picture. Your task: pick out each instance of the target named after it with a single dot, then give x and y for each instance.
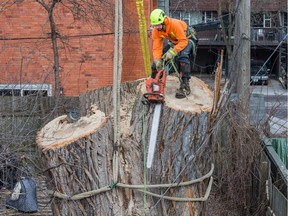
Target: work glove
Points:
(169, 55)
(158, 64)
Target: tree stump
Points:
(79, 156)
(181, 151)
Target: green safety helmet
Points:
(157, 17)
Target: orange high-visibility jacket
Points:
(175, 32)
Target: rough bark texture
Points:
(180, 153)
(83, 164)
(80, 166)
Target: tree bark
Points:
(180, 153)
(83, 163)
(79, 162)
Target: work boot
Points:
(184, 89)
(186, 86)
(180, 93)
(185, 74)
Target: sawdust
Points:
(200, 99)
(125, 116)
(59, 132)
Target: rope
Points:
(113, 185)
(184, 199)
(139, 187)
(174, 67)
(79, 196)
(144, 168)
(143, 37)
(117, 70)
(173, 185)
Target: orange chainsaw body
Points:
(156, 88)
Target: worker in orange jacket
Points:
(175, 31)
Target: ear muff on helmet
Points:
(157, 17)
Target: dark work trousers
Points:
(182, 60)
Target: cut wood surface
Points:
(79, 155)
(199, 100)
(60, 132)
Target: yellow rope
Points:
(143, 37)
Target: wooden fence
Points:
(21, 117)
(277, 183)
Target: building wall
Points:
(85, 49)
(211, 5)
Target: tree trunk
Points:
(82, 162)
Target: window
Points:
(267, 20)
(208, 16)
(283, 20)
(25, 89)
(175, 14)
(186, 17)
(257, 20)
(191, 18)
(264, 20)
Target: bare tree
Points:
(227, 28)
(90, 11)
(50, 9)
(6, 4)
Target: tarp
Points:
(280, 146)
(24, 197)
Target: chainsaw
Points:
(155, 88)
(155, 94)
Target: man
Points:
(175, 31)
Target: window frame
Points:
(186, 17)
(267, 18)
(205, 15)
(23, 89)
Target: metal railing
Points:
(272, 35)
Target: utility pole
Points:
(241, 52)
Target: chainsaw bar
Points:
(153, 134)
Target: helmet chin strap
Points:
(163, 28)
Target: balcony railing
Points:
(265, 34)
(258, 35)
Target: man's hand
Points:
(158, 64)
(169, 55)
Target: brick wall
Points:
(86, 55)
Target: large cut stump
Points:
(181, 151)
(79, 156)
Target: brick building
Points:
(85, 47)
